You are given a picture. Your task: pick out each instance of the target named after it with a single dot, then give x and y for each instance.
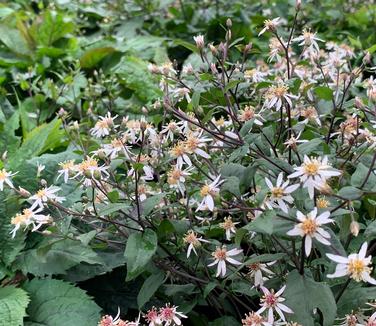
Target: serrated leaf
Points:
(139, 250)
(13, 303)
(58, 303)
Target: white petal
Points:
(308, 245)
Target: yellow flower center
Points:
(322, 203)
(205, 190)
(227, 224)
(356, 267)
(309, 226)
(277, 192)
(191, 237)
(41, 193)
(311, 168)
(178, 150)
(192, 143)
(3, 175)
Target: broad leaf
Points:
(13, 303)
(150, 286)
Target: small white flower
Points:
(221, 255)
(276, 94)
(308, 39)
(170, 315)
(193, 241)
(40, 168)
(256, 271)
(270, 25)
(5, 177)
(313, 173)
(28, 217)
(229, 226)
(171, 129)
(280, 193)
(310, 228)
(103, 126)
(273, 301)
(355, 266)
(208, 192)
(44, 195)
(293, 141)
(66, 170)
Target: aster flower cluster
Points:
(242, 174)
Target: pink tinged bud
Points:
(144, 110)
(298, 4)
(200, 42)
(367, 58)
(213, 68)
(24, 193)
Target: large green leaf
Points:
(56, 257)
(93, 56)
(134, 75)
(355, 297)
(13, 303)
(14, 40)
(58, 303)
(150, 286)
(139, 251)
(46, 136)
(303, 295)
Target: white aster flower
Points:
(171, 129)
(270, 25)
(28, 217)
(193, 242)
(208, 192)
(44, 195)
(229, 226)
(309, 40)
(170, 316)
(273, 302)
(280, 193)
(276, 94)
(313, 173)
(5, 177)
(293, 141)
(256, 271)
(221, 255)
(355, 266)
(310, 228)
(103, 126)
(66, 169)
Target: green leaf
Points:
(303, 295)
(150, 286)
(232, 185)
(187, 45)
(13, 303)
(371, 49)
(93, 56)
(139, 250)
(13, 40)
(360, 175)
(225, 321)
(134, 75)
(149, 204)
(52, 27)
(355, 297)
(309, 147)
(46, 136)
(269, 223)
(370, 232)
(111, 208)
(56, 257)
(324, 92)
(350, 193)
(58, 303)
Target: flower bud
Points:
(213, 68)
(358, 102)
(367, 58)
(298, 4)
(200, 42)
(354, 228)
(144, 110)
(228, 23)
(62, 113)
(23, 192)
(43, 183)
(213, 49)
(4, 156)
